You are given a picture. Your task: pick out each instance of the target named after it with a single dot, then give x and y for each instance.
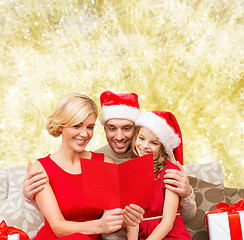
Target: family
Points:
(53, 183)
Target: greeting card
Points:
(108, 185)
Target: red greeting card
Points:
(108, 185)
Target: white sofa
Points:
(206, 180)
(13, 207)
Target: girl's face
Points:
(77, 137)
(147, 142)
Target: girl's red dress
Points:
(67, 188)
(155, 208)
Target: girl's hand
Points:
(111, 220)
(133, 215)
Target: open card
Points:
(108, 185)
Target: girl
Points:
(155, 133)
(61, 200)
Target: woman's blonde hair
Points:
(159, 160)
(71, 110)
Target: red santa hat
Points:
(165, 126)
(122, 105)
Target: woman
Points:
(61, 200)
(155, 134)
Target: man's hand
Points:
(133, 215)
(33, 183)
(111, 221)
(180, 181)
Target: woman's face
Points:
(147, 142)
(77, 137)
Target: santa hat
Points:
(122, 105)
(165, 126)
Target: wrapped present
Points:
(11, 233)
(226, 222)
(13, 237)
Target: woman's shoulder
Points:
(37, 165)
(44, 158)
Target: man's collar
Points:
(115, 155)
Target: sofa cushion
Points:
(208, 172)
(20, 214)
(16, 177)
(207, 196)
(233, 195)
(3, 184)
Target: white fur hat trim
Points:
(160, 128)
(119, 111)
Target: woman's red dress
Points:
(69, 194)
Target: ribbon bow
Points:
(225, 207)
(5, 231)
(233, 217)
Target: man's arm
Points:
(181, 186)
(188, 207)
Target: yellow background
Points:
(183, 56)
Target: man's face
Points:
(119, 134)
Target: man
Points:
(119, 112)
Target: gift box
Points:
(13, 237)
(11, 233)
(226, 222)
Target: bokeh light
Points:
(184, 56)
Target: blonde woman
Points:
(61, 200)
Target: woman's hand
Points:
(133, 215)
(111, 220)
